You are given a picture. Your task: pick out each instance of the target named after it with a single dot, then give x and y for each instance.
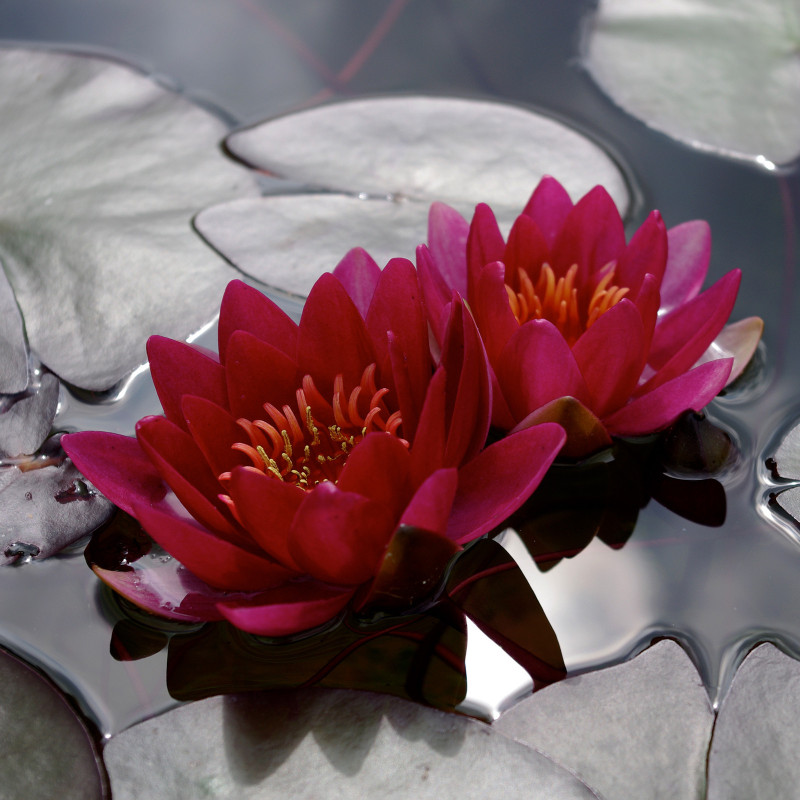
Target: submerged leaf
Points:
(410, 150)
(721, 76)
(326, 744)
(103, 170)
(46, 749)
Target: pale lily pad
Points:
(787, 456)
(45, 509)
(25, 422)
(408, 150)
(719, 75)
(326, 743)
(756, 739)
(639, 729)
(103, 170)
(45, 749)
(13, 350)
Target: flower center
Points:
(312, 445)
(559, 301)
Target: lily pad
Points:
(45, 509)
(103, 170)
(720, 76)
(326, 743)
(25, 422)
(14, 360)
(754, 751)
(408, 150)
(639, 729)
(46, 749)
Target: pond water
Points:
(718, 588)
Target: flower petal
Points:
(740, 340)
(216, 561)
(266, 507)
(213, 430)
(646, 254)
(657, 409)
(333, 337)
(178, 369)
(358, 272)
(339, 537)
(537, 366)
(611, 356)
(183, 468)
(117, 466)
(429, 508)
(287, 609)
(485, 244)
(435, 291)
(688, 256)
(258, 373)
(500, 479)
(447, 240)
(496, 320)
(548, 207)
(526, 248)
(244, 308)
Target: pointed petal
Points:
(183, 468)
(214, 430)
(339, 537)
(646, 254)
(496, 320)
(429, 508)
(244, 308)
(218, 562)
(688, 255)
(682, 337)
(548, 207)
(358, 273)
(537, 366)
(585, 432)
(500, 479)
(117, 466)
(427, 449)
(662, 406)
(178, 369)
(287, 609)
(485, 244)
(526, 248)
(435, 292)
(611, 357)
(447, 240)
(647, 301)
(258, 373)
(592, 236)
(738, 340)
(266, 507)
(333, 337)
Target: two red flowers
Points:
(288, 472)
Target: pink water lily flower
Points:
(604, 336)
(283, 470)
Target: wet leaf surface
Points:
(678, 66)
(326, 743)
(410, 150)
(26, 420)
(103, 171)
(46, 749)
(14, 359)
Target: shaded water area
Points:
(717, 585)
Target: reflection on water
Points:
(661, 572)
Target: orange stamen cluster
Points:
(297, 448)
(558, 301)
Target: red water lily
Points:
(603, 336)
(285, 473)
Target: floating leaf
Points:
(47, 751)
(721, 76)
(412, 150)
(639, 729)
(326, 744)
(103, 170)
(13, 350)
(754, 751)
(46, 508)
(26, 420)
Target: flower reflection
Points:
(294, 474)
(607, 338)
